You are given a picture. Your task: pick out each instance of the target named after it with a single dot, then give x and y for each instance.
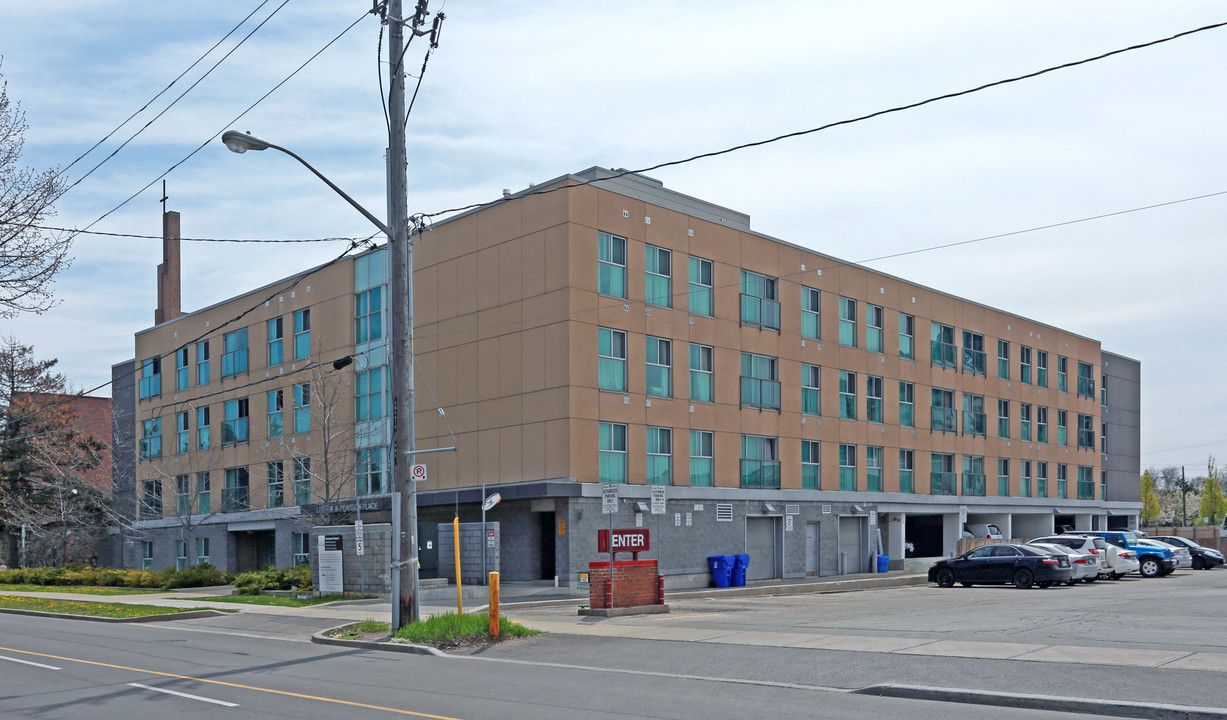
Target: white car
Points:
(1083, 543)
(1121, 561)
(1085, 565)
(1184, 559)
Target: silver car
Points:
(1085, 565)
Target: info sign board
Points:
(609, 499)
(658, 500)
(331, 576)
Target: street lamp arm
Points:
(241, 142)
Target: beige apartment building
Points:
(601, 329)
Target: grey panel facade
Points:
(1122, 419)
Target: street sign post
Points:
(359, 546)
(609, 506)
(658, 500)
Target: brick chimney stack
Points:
(168, 271)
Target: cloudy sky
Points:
(522, 92)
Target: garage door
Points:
(761, 546)
(850, 543)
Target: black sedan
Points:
(1204, 558)
(1002, 564)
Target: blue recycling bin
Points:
(739, 570)
(883, 563)
(721, 569)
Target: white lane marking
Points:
(27, 662)
(183, 695)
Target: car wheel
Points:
(1090, 579)
(1150, 567)
(1198, 563)
(966, 584)
(1070, 582)
(1046, 584)
(1023, 578)
(945, 578)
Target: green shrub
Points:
(202, 575)
(271, 578)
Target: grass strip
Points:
(278, 601)
(83, 607)
(451, 629)
(77, 590)
(363, 629)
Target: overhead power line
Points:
(186, 239)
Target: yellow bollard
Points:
(494, 605)
(456, 546)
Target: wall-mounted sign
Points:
(624, 540)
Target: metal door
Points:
(428, 549)
(851, 543)
(812, 550)
(761, 545)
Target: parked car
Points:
(1204, 558)
(1084, 543)
(1002, 564)
(1152, 561)
(1114, 562)
(1184, 559)
(983, 530)
(1084, 564)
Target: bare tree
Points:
(326, 479)
(30, 256)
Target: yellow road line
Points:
(398, 711)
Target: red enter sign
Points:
(629, 540)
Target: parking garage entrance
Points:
(922, 536)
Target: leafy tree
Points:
(30, 257)
(1150, 501)
(1213, 504)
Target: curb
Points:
(320, 638)
(1052, 703)
(163, 617)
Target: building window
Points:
(907, 336)
(658, 444)
(1003, 419)
(1003, 477)
(151, 439)
(183, 442)
(183, 495)
(1041, 424)
(202, 428)
(760, 387)
(811, 396)
(302, 333)
(658, 277)
(151, 499)
(1041, 368)
(811, 469)
(611, 265)
(302, 548)
(847, 467)
(873, 468)
(302, 480)
(1103, 438)
(1024, 364)
(276, 413)
(234, 353)
(907, 404)
(974, 361)
(811, 314)
(182, 375)
(760, 462)
(1086, 482)
(611, 365)
(847, 395)
(202, 362)
(368, 394)
(973, 475)
(1041, 479)
(611, 459)
(1024, 482)
(1086, 380)
(204, 504)
(873, 399)
(945, 354)
(700, 286)
(234, 422)
(235, 492)
(873, 328)
(1003, 360)
(1024, 422)
(942, 480)
(150, 384)
(944, 417)
(1103, 390)
(701, 366)
(907, 471)
(1062, 425)
(659, 373)
(1062, 480)
(181, 554)
(302, 408)
(368, 315)
(701, 448)
(370, 471)
(760, 305)
(1086, 432)
(975, 422)
(847, 322)
(1062, 373)
(202, 550)
(147, 554)
(276, 345)
(276, 484)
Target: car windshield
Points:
(1130, 537)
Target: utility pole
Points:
(1184, 495)
(405, 604)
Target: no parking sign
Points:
(417, 472)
